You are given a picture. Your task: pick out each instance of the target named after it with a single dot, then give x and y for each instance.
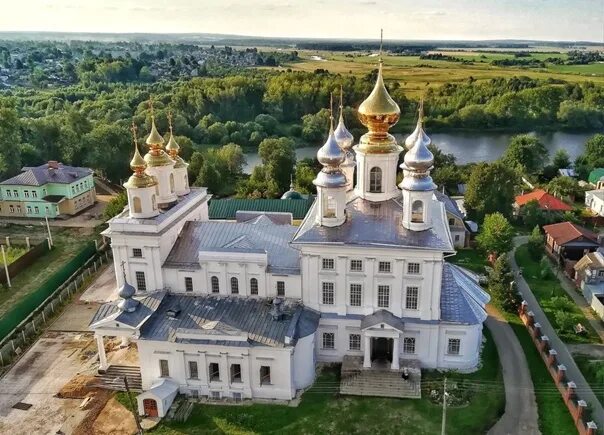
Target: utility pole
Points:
(6, 267)
(134, 410)
(444, 419)
(49, 235)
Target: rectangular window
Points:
(409, 345)
(16, 193)
(137, 252)
(384, 267)
(164, 370)
(412, 298)
(193, 372)
(215, 395)
(329, 340)
(8, 194)
(26, 193)
(141, 284)
(328, 295)
(34, 194)
(356, 265)
(328, 264)
(383, 296)
(37, 210)
(214, 370)
(235, 373)
(28, 209)
(356, 295)
(188, 284)
(280, 288)
(413, 268)
(354, 341)
(454, 346)
(194, 394)
(601, 273)
(253, 286)
(11, 208)
(265, 375)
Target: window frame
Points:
(188, 283)
(376, 180)
(265, 375)
(409, 343)
(383, 291)
(356, 262)
(254, 286)
(236, 377)
(281, 288)
(164, 368)
(141, 281)
(387, 269)
(412, 297)
(356, 340)
(331, 336)
(352, 294)
(234, 285)
(411, 266)
(136, 252)
(190, 365)
(328, 260)
(214, 284)
(454, 346)
(214, 375)
(326, 291)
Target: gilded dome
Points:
(379, 111)
(172, 145)
(154, 137)
(158, 157)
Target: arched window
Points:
(375, 180)
(417, 211)
(329, 206)
(215, 285)
(136, 204)
(172, 183)
(234, 285)
(154, 202)
(253, 286)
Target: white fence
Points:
(593, 301)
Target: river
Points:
(470, 147)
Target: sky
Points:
(400, 19)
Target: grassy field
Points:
(322, 410)
(414, 74)
(68, 242)
(471, 259)
(593, 370)
(12, 254)
(546, 288)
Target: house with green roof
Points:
(49, 190)
(596, 177)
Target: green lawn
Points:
(593, 370)
(471, 259)
(546, 288)
(68, 242)
(12, 254)
(322, 410)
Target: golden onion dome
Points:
(137, 162)
(172, 145)
(180, 163)
(154, 137)
(379, 111)
(158, 157)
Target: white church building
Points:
(246, 309)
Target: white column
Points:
(102, 357)
(367, 352)
(395, 354)
(125, 341)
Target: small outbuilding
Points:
(156, 401)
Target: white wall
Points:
(250, 358)
(304, 362)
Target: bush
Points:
(535, 244)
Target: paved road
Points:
(520, 415)
(564, 356)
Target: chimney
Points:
(277, 309)
(53, 164)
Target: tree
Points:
(306, 172)
(526, 152)
(532, 215)
(268, 123)
(565, 187)
(535, 244)
(501, 285)
(10, 140)
(279, 158)
(561, 159)
(116, 205)
(490, 189)
(496, 234)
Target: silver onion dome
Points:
(344, 138)
(331, 156)
(419, 157)
(126, 290)
(128, 303)
(418, 135)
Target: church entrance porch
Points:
(381, 350)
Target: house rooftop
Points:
(51, 172)
(566, 232)
(595, 175)
(546, 201)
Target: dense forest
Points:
(87, 123)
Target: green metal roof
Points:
(595, 175)
(226, 208)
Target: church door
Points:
(381, 348)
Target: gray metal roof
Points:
(462, 300)
(377, 224)
(275, 217)
(146, 307)
(229, 315)
(450, 205)
(260, 235)
(41, 175)
(382, 316)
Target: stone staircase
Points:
(113, 378)
(381, 382)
